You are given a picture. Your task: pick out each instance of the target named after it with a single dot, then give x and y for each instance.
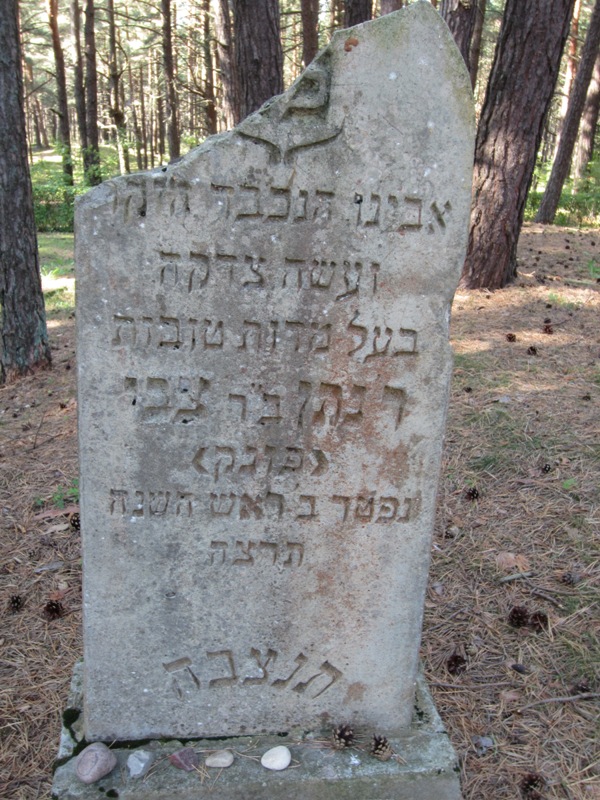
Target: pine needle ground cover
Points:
(511, 643)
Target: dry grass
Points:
(512, 413)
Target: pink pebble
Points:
(94, 763)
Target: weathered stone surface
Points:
(428, 770)
(94, 762)
(264, 368)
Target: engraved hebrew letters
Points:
(263, 379)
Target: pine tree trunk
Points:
(475, 53)
(23, 334)
(78, 85)
(460, 16)
(258, 52)
(336, 16)
(562, 162)
(309, 10)
(91, 154)
(388, 6)
(143, 122)
(520, 88)
(115, 107)
(570, 72)
(589, 124)
(171, 92)
(356, 11)
(61, 94)
(134, 114)
(226, 61)
(209, 80)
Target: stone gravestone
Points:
(263, 375)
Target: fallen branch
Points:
(515, 577)
(569, 699)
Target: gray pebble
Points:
(94, 763)
(139, 763)
(220, 758)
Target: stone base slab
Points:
(425, 769)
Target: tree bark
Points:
(78, 84)
(336, 16)
(258, 52)
(61, 94)
(388, 6)
(143, 122)
(91, 154)
(209, 73)
(475, 53)
(23, 334)
(460, 16)
(134, 114)
(170, 93)
(589, 124)
(570, 72)
(562, 161)
(226, 62)
(356, 11)
(520, 88)
(309, 10)
(114, 82)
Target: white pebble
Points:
(276, 758)
(220, 758)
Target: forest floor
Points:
(516, 544)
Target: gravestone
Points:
(263, 378)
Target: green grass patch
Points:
(56, 254)
(60, 299)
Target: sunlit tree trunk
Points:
(562, 161)
(475, 53)
(258, 52)
(520, 88)
(226, 63)
(460, 17)
(91, 154)
(588, 125)
(570, 72)
(310, 30)
(356, 11)
(116, 111)
(170, 90)
(61, 94)
(78, 84)
(209, 74)
(23, 336)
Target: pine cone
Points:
(381, 748)
(530, 784)
(53, 609)
(538, 621)
(518, 617)
(16, 603)
(74, 521)
(570, 578)
(343, 736)
(456, 664)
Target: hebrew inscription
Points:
(186, 674)
(263, 378)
